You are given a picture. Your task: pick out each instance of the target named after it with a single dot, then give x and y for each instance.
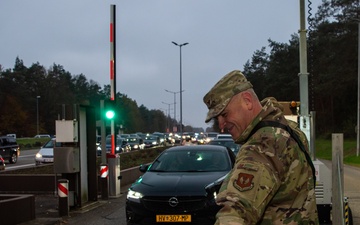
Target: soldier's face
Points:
(235, 117)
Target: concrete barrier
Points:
(22, 207)
(47, 183)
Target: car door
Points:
(4, 148)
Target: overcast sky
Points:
(222, 36)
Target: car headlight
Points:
(38, 155)
(154, 143)
(98, 148)
(134, 196)
(136, 146)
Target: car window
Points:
(49, 144)
(133, 140)
(184, 161)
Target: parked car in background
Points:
(42, 136)
(9, 149)
(189, 135)
(223, 136)
(201, 139)
(227, 142)
(179, 186)
(11, 135)
(211, 136)
(162, 138)
(136, 143)
(121, 145)
(46, 152)
(151, 141)
(2, 163)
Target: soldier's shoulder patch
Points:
(244, 182)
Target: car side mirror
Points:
(143, 168)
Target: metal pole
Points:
(37, 114)
(113, 69)
(181, 130)
(303, 76)
(168, 114)
(174, 101)
(358, 111)
(103, 133)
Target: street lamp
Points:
(174, 101)
(168, 112)
(37, 114)
(181, 131)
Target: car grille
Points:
(48, 156)
(185, 204)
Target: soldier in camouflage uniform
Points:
(272, 181)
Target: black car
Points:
(151, 141)
(227, 142)
(179, 186)
(136, 143)
(121, 145)
(9, 149)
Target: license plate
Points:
(173, 218)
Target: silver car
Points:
(46, 152)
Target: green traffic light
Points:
(110, 114)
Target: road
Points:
(25, 160)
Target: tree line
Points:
(332, 47)
(30, 100)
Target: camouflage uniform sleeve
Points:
(249, 187)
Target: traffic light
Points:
(109, 111)
(294, 107)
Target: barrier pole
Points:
(63, 191)
(104, 172)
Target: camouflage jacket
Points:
(271, 182)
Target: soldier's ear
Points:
(247, 99)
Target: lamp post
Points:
(173, 92)
(181, 131)
(168, 112)
(358, 108)
(37, 114)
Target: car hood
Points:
(46, 151)
(175, 183)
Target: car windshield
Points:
(50, 144)
(133, 140)
(190, 161)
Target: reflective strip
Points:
(104, 172)
(63, 190)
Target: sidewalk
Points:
(110, 211)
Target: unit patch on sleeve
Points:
(244, 182)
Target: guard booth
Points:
(75, 160)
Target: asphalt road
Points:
(26, 159)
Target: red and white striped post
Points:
(113, 69)
(63, 191)
(104, 174)
(113, 160)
